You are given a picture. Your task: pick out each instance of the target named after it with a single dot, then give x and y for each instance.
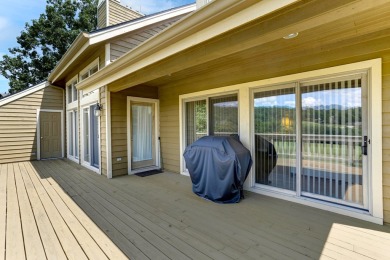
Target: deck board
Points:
(52, 245)
(14, 235)
(34, 248)
(76, 213)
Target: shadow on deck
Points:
(158, 217)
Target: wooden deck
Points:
(58, 210)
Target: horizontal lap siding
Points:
(18, 124)
(130, 41)
(119, 13)
(102, 16)
(119, 125)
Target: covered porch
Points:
(58, 209)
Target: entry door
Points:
(50, 135)
(335, 140)
(143, 136)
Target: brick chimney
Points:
(110, 12)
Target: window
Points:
(73, 140)
(90, 70)
(320, 155)
(211, 116)
(72, 91)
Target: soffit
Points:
(349, 23)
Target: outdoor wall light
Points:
(98, 108)
(290, 36)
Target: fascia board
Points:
(24, 93)
(119, 30)
(151, 51)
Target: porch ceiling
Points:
(58, 209)
(258, 50)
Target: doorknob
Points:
(41, 137)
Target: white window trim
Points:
(81, 140)
(156, 103)
(374, 69)
(72, 157)
(206, 96)
(39, 131)
(72, 104)
(88, 68)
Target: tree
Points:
(45, 40)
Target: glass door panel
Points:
(196, 120)
(86, 135)
(275, 138)
(94, 134)
(142, 135)
(332, 133)
(223, 115)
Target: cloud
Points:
(311, 102)
(4, 23)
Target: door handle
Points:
(366, 141)
(41, 137)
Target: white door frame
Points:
(81, 153)
(156, 126)
(39, 130)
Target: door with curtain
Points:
(142, 134)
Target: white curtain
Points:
(142, 126)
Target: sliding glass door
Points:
(333, 132)
(309, 139)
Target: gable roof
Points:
(23, 93)
(85, 41)
(206, 23)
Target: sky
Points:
(346, 98)
(15, 14)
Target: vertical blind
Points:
(331, 128)
(196, 120)
(275, 138)
(332, 132)
(223, 115)
(142, 131)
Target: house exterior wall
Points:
(102, 15)
(119, 127)
(122, 45)
(18, 123)
(119, 13)
(370, 49)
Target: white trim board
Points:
(39, 131)
(156, 103)
(108, 133)
(24, 93)
(245, 90)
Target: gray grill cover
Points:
(218, 167)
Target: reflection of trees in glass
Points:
(225, 119)
(201, 118)
(269, 120)
(330, 121)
